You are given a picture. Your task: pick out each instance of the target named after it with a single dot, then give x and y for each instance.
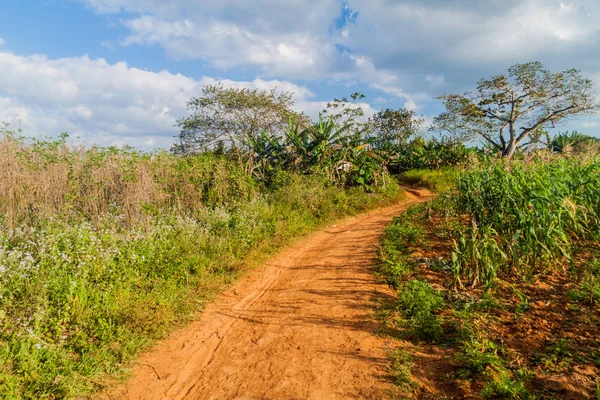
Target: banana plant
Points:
(344, 156)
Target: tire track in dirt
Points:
(298, 327)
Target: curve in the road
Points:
(299, 327)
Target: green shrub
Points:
(419, 303)
(477, 354)
(401, 369)
(502, 384)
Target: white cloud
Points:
(2, 41)
(392, 35)
(399, 48)
(468, 33)
(12, 112)
(108, 44)
(101, 102)
(535, 28)
(265, 34)
(409, 50)
(411, 105)
(226, 44)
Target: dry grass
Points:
(46, 179)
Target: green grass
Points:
(419, 304)
(80, 298)
(438, 180)
(587, 292)
(401, 364)
(399, 238)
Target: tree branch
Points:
(549, 117)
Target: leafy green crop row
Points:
(524, 216)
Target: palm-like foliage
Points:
(568, 141)
(325, 148)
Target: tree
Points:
(228, 117)
(393, 128)
(346, 111)
(506, 110)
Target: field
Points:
(104, 252)
(497, 284)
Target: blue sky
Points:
(120, 71)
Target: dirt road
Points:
(299, 327)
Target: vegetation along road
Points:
(301, 326)
(492, 289)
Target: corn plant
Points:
(525, 216)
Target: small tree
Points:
(506, 110)
(346, 111)
(572, 141)
(392, 129)
(229, 116)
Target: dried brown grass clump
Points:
(50, 178)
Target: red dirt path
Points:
(299, 327)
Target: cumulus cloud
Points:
(12, 111)
(535, 29)
(294, 40)
(226, 45)
(408, 51)
(264, 33)
(104, 103)
(455, 39)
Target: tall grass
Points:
(526, 215)
(438, 180)
(103, 251)
(50, 178)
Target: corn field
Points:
(523, 216)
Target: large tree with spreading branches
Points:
(392, 129)
(510, 111)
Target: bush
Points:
(419, 302)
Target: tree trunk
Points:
(511, 146)
(509, 150)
